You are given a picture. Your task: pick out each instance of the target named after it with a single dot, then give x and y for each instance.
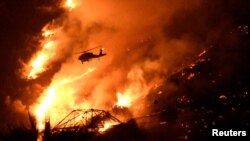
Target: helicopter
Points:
(87, 56)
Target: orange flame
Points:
(45, 105)
(123, 100)
(60, 95)
(57, 97)
(48, 33)
(107, 125)
(38, 63)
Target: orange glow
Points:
(48, 33)
(123, 100)
(38, 64)
(49, 44)
(57, 98)
(45, 105)
(107, 125)
(40, 61)
(70, 4)
(66, 91)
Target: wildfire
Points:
(58, 95)
(39, 62)
(123, 100)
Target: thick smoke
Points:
(133, 35)
(145, 42)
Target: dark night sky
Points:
(22, 20)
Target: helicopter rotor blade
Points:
(88, 49)
(94, 48)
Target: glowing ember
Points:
(190, 76)
(222, 97)
(202, 53)
(123, 100)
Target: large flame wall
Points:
(138, 55)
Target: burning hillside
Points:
(100, 84)
(173, 70)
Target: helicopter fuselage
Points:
(88, 56)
